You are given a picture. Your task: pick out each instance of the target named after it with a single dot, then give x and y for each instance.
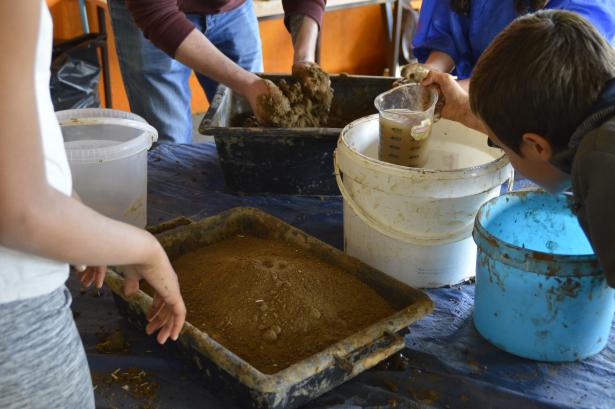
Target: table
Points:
(448, 364)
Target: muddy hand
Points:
(314, 81)
(414, 73)
(268, 103)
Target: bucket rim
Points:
(94, 113)
(120, 150)
(508, 253)
(399, 170)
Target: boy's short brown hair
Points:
(541, 75)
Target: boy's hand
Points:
(168, 312)
(88, 275)
(457, 102)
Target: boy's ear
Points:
(536, 147)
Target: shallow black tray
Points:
(307, 379)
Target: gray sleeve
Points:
(595, 187)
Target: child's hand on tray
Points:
(168, 311)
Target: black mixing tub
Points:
(307, 379)
(284, 160)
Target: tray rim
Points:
(301, 370)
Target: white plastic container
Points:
(416, 224)
(107, 152)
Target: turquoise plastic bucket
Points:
(539, 291)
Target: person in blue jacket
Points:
(452, 34)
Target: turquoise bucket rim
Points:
(534, 261)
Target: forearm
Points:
(56, 226)
(465, 84)
(38, 219)
(198, 53)
(34, 217)
(440, 61)
(304, 33)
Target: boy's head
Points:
(534, 85)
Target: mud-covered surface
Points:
(272, 303)
(123, 383)
(301, 102)
(112, 343)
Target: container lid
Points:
(101, 135)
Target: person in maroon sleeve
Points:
(160, 42)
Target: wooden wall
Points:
(353, 41)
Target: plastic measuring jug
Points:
(406, 116)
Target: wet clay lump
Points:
(303, 102)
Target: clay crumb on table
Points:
(134, 382)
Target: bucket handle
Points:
(369, 220)
(511, 180)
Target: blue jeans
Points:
(157, 85)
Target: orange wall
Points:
(66, 20)
(353, 41)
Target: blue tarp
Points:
(447, 363)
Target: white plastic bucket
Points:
(107, 152)
(416, 224)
